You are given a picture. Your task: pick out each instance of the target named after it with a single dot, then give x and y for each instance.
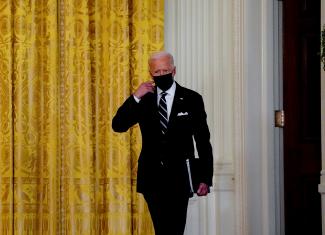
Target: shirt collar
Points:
(170, 91)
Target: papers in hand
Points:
(189, 175)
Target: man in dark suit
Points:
(171, 117)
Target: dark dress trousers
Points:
(163, 176)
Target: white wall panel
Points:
(201, 36)
(224, 49)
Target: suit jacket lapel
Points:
(177, 102)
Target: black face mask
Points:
(164, 82)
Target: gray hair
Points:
(160, 54)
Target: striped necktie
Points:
(163, 117)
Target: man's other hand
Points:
(144, 88)
(203, 189)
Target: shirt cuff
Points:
(136, 99)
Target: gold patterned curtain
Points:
(65, 67)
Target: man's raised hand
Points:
(144, 88)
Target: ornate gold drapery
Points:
(65, 67)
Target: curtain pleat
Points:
(35, 116)
(66, 66)
(6, 119)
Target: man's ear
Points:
(174, 71)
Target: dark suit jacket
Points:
(162, 162)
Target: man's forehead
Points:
(162, 64)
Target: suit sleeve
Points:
(203, 145)
(126, 116)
